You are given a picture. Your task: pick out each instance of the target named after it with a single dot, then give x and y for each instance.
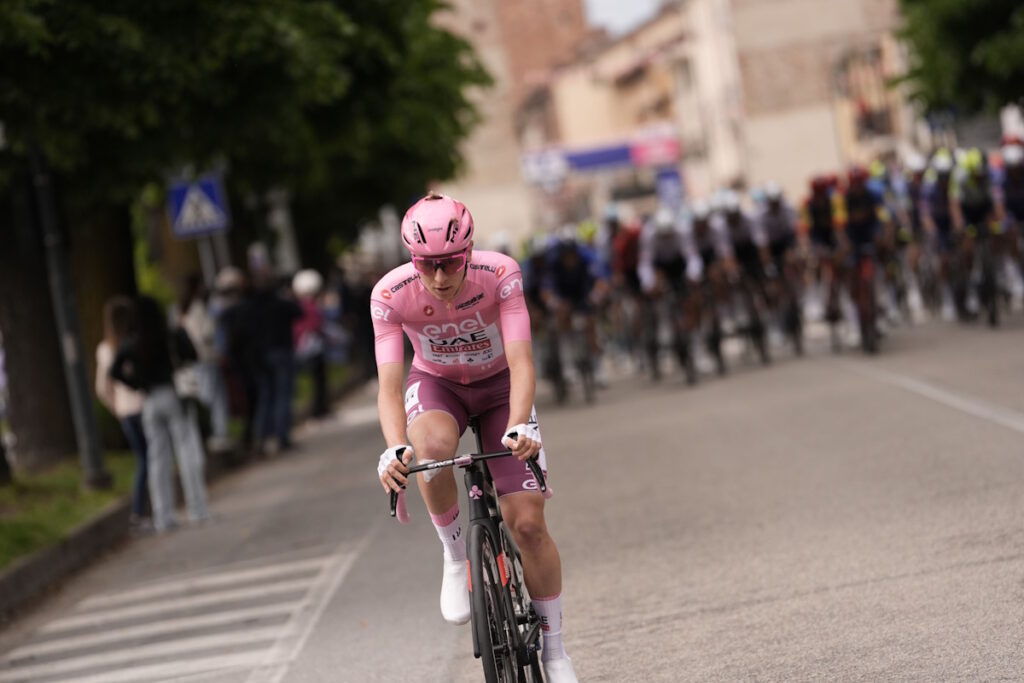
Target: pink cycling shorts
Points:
(486, 398)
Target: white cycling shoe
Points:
(455, 592)
(559, 671)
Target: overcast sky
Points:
(619, 16)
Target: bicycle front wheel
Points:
(492, 621)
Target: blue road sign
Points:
(198, 208)
(670, 187)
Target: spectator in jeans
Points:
(122, 401)
(144, 362)
(278, 314)
(192, 314)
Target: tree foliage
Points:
(967, 54)
(347, 103)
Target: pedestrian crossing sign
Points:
(198, 208)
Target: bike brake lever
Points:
(398, 509)
(538, 474)
(535, 469)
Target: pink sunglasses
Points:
(449, 264)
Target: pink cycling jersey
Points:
(462, 340)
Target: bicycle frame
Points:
(485, 512)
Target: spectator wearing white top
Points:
(194, 316)
(123, 402)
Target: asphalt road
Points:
(830, 518)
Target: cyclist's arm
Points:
(515, 333)
(520, 366)
(389, 348)
(523, 384)
(391, 404)
(645, 260)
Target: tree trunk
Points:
(101, 258)
(38, 410)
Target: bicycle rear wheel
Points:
(492, 622)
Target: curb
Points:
(29, 578)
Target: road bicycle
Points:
(506, 628)
(864, 296)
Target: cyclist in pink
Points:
(466, 317)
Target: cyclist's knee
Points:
(529, 531)
(525, 519)
(434, 439)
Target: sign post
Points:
(199, 210)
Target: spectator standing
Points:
(276, 314)
(123, 402)
(145, 363)
(242, 334)
(193, 315)
(310, 339)
(226, 304)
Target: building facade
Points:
(751, 91)
(518, 42)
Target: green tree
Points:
(967, 54)
(345, 103)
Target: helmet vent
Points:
(453, 230)
(419, 230)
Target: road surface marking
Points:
(1000, 415)
(108, 617)
(125, 634)
(172, 669)
(189, 585)
(308, 615)
(181, 646)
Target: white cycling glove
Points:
(530, 431)
(393, 453)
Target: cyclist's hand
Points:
(392, 467)
(523, 440)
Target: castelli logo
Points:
(385, 293)
(501, 271)
(429, 310)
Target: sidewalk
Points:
(29, 578)
(221, 592)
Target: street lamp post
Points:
(66, 315)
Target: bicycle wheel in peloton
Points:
(988, 288)
(795, 325)
(491, 619)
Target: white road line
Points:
(185, 586)
(163, 671)
(124, 634)
(275, 665)
(155, 609)
(1000, 415)
(113, 658)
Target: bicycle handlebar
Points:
(398, 509)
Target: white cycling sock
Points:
(449, 529)
(550, 612)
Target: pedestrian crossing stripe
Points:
(201, 623)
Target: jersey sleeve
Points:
(515, 319)
(388, 344)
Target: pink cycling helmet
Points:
(437, 225)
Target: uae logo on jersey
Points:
(429, 310)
